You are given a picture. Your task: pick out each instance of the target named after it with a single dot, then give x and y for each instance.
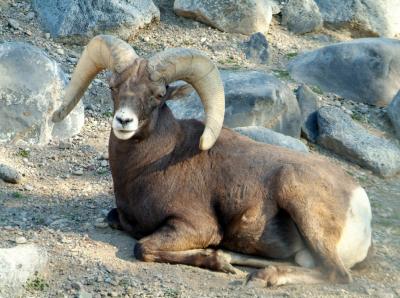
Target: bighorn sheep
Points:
(180, 193)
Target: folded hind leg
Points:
(319, 212)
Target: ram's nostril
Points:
(124, 121)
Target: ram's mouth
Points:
(123, 134)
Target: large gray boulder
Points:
(302, 16)
(18, 265)
(82, 19)
(339, 133)
(309, 105)
(363, 17)
(245, 17)
(393, 111)
(252, 98)
(31, 87)
(364, 70)
(268, 136)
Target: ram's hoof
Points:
(113, 219)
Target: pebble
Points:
(30, 15)
(60, 51)
(98, 82)
(104, 156)
(13, 24)
(21, 143)
(47, 35)
(101, 225)
(21, 240)
(9, 175)
(104, 163)
(84, 294)
(76, 285)
(72, 59)
(78, 172)
(64, 145)
(28, 187)
(59, 222)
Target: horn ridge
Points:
(102, 52)
(198, 70)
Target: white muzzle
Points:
(125, 123)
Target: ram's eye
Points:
(113, 89)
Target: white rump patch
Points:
(356, 236)
(125, 131)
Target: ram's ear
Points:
(178, 91)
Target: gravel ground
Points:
(66, 188)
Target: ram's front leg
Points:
(179, 242)
(116, 220)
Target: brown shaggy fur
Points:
(242, 195)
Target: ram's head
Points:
(140, 87)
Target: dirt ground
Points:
(67, 189)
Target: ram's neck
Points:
(130, 158)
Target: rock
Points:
(302, 16)
(62, 222)
(77, 172)
(64, 145)
(104, 156)
(362, 17)
(364, 70)
(101, 225)
(80, 20)
(20, 240)
(308, 102)
(31, 87)
(339, 133)
(252, 98)
(84, 294)
(393, 111)
(245, 17)
(268, 136)
(14, 24)
(256, 48)
(28, 187)
(30, 15)
(9, 175)
(276, 6)
(17, 265)
(77, 286)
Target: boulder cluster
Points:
(259, 104)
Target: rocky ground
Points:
(66, 188)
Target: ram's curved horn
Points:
(102, 52)
(195, 68)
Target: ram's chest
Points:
(145, 204)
